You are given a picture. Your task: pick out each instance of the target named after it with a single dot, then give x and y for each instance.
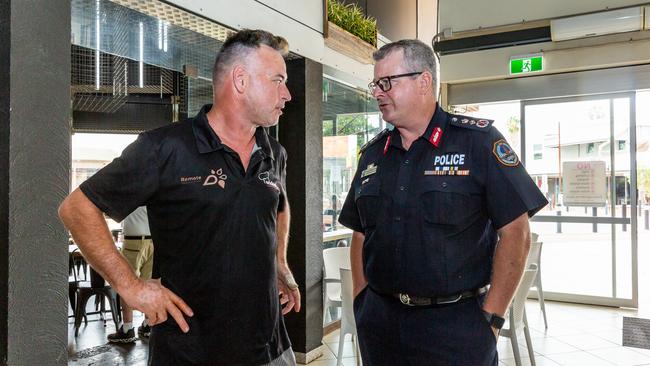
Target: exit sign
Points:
(525, 64)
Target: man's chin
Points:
(387, 117)
(268, 124)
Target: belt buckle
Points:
(405, 299)
(450, 301)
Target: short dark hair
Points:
(417, 55)
(239, 44)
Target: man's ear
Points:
(425, 83)
(240, 78)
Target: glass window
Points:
(93, 151)
(590, 148)
(506, 118)
(350, 118)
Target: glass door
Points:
(581, 152)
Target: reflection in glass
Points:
(350, 118)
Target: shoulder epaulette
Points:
(471, 123)
(374, 140)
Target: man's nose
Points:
(286, 95)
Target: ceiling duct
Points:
(597, 24)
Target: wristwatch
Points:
(494, 320)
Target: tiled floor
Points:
(577, 335)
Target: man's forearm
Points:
(508, 265)
(282, 234)
(89, 230)
(356, 262)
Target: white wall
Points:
(559, 57)
(463, 15)
(427, 20)
(484, 75)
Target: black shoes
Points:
(144, 331)
(122, 337)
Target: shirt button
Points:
(406, 161)
(444, 184)
(401, 188)
(398, 218)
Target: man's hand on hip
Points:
(289, 292)
(156, 301)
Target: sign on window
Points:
(584, 183)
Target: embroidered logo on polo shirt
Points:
(194, 179)
(266, 178)
(217, 178)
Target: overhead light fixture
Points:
(97, 44)
(597, 24)
(165, 26)
(160, 35)
(141, 62)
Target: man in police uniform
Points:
(214, 187)
(439, 207)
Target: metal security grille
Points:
(118, 77)
(122, 49)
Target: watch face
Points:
(494, 320)
(497, 321)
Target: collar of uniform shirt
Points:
(207, 140)
(437, 125)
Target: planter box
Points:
(348, 44)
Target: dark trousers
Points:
(391, 333)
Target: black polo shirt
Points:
(214, 231)
(430, 214)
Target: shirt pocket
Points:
(368, 203)
(449, 206)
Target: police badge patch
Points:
(504, 153)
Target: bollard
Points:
(624, 216)
(647, 219)
(594, 213)
(559, 224)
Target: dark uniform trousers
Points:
(391, 333)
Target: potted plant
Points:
(350, 32)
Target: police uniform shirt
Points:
(430, 214)
(214, 229)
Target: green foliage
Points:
(513, 126)
(644, 180)
(346, 125)
(350, 17)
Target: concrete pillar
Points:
(301, 132)
(34, 178)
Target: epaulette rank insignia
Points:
(471, 123)
(373, 140)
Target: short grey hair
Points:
(417, 55)
(238, 45)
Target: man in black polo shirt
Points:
(214, 187)
(439, 207)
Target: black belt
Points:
(410, 300)
(140, 237)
